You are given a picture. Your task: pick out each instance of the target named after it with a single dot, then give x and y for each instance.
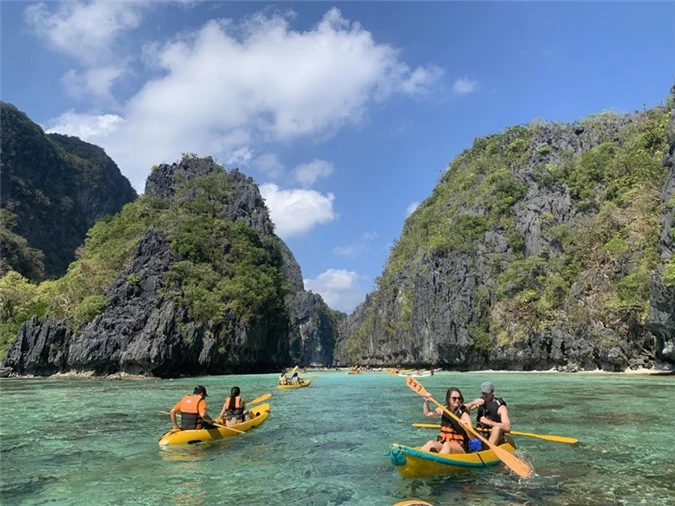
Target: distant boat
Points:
(300, 384)
(420, 374)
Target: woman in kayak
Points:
(283, 379)
(233, 409)
(453, 437)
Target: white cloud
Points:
(417, 82)
(269, 164)
(347, 251)
(86, 126)
(339, 288)
(96, 81)
(84, 30)
(308, 173)
(296, 212)
(464, 85)
(370, 236)
(239, 157)
(411, 208)
(87, 32)
(287, 85)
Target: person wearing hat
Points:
(192, 409)
(492, 413)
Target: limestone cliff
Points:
(661, 320)
(545, 246)
(53, 188)
(199, 284)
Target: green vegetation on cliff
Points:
(53, 189)
(222, 267)
(592, 264)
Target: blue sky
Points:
(346, 114)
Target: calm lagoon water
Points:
(94, 442)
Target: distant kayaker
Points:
(192, 409)
(492, 413)
(295, 378)
(453, 438)
(283, 379)
(233, 409)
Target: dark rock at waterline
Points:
(142, 331)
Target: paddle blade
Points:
(416, 386)
(516, 465)
(263, 397)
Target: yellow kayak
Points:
(413, 502)
(301, 384)
(181, 437)
(413, 462)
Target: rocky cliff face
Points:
(56, 187)
(143, 330)
(314, 331)
(661, 320)
(524, 258)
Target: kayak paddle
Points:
(228, 428)
(263, 397)
(519, 467)
(557, 439)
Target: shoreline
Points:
(137, 377)
(85, 376)
(628, 372)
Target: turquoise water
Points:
(82, 442)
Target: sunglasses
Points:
(456, 398)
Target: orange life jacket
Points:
(234, 409)
(451, 430)
(189, 412)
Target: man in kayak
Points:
(192, 409)
(492, 413)
(233, 409)
(453, 437)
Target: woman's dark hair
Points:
(235, 392)
(449, 394)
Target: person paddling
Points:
(492, 413)
(192, 409)
(283, 379)
(233, 409)
(453, 438)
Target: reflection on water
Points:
(95, 442)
